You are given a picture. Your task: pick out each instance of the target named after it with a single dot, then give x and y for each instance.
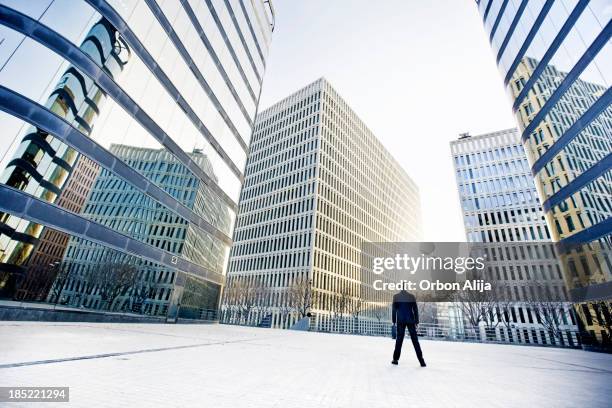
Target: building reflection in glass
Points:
(556, 61)
(121, 209)
(585, 263)
(49, 169)
(115, 203)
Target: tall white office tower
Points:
(499, 204)
(318, 184)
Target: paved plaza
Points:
(133, 365)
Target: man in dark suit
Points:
(405, 314)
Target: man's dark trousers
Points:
(401, 331)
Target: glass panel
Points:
(591, 145)
(482, 6)
(577, 41)
(42, 165)
(260, 17)
(246, 32)
(574, 103)
(141, 84)
(145, 89)
(192, 42)
(224, 16)
(204, 16)
(97, 194)
(520, 33)
(492, 16)
(554, 20)
(504, 23)
(583, 209)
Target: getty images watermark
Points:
(472, 272)
(412, 265)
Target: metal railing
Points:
(500, 334)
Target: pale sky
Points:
(417, 72)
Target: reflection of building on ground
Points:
(318, 184)
(114, 202)
(49, 169)
(559, 82)
(499, 204)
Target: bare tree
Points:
(263, 305)
(506, 309)
(339, 304)
(285, 304)
(112, 280)
(142, 289)
(355, 307)
(301, 296)
(506, 304)
(379, 312)
(551, 316)
(549, 312)
(231, 308)
(243, 296)
(428, 312)
(233, 295)
(476, 307)
(59, 272)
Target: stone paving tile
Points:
(249, 367)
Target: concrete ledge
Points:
(18, 311)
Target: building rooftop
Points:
(465, 137)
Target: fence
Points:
(499, 334)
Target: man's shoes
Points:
(394, 362)
(422, 362)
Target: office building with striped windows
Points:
(91, 91)
(499, 201)
(555, 59)
(52, 243)
(114, 202)
(318, 184)
(500, 204)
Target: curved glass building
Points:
(555, 58)
(125, 130)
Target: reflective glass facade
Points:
(125, 126)
(555, 57)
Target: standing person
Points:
(405, 313)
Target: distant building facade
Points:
(318, 184)
(499, 204)
(555, 60)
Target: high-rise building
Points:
(500, 204)
(556, 60)
(498, 198)
(318, 184)
(171, 77)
